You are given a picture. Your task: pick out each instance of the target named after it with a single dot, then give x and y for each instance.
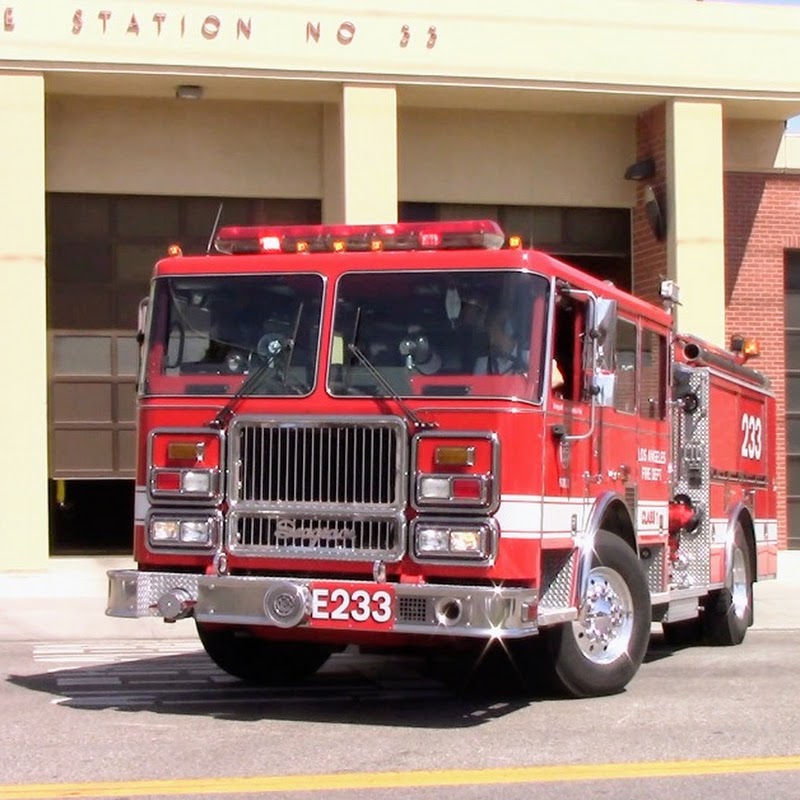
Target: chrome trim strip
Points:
(141, 504)
(556, 616)
(486, 612)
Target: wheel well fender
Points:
(610, 514)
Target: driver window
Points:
(568, 338)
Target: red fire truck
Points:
(425, 435)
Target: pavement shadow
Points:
(355, 689)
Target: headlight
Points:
(433, 540)
(174, 532)
(464, 540)
(165, 530)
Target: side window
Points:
(570, 325)
(625, 393)
(654, 386)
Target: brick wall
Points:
(762, 221)
(650, 255)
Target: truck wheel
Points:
(602, 649)
(260, 661)
(730, 610)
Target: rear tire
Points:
(600, 652)
(260, 661)
(729, 612)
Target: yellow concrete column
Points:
(23, 325)
(332, 167)
(695, 216)
(368, 154)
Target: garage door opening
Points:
(91, 517)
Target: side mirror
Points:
(141, 320)
(603, 322)
(603, 332)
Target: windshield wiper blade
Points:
(388, 388)
(222, 416)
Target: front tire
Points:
(600, 652)
(260, 661)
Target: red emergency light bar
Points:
(458, 235)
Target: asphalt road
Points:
(154, 718)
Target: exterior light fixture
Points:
(655, 214)
(641, 171)
(188, 91)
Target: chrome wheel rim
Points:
(604, 625)
(740, 596)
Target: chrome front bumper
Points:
(472, 611)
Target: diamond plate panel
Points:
(152, 585)
(692, 478)
(557, 566)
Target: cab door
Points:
(635, 433)
(568, 421)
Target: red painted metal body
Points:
(538, 469)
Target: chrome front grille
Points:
(318, 463)
(323, 537)
(318, 488)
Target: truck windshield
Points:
(455, 333)
(207, 335)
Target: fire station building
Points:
(638, 140)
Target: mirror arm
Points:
(563, 436)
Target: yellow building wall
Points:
(474, 156)
(755, 146)
(696, 217)
(616, 45)
(155, 146)
(23, 401)
(576, 74)
(117, 145)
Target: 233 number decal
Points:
(751, 437)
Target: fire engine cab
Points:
(424, 434)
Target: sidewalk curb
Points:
(67, 602)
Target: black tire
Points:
(729, 611)
(601, 651)
(260, 661)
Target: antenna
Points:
(214, 229)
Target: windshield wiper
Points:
(388, 388)
(222, 417)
